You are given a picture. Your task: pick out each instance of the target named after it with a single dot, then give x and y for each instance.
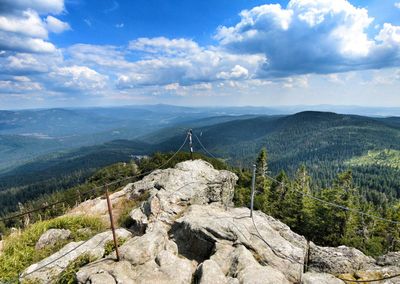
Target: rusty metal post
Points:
(112, 223)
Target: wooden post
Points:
(112, 223)
(253, 183)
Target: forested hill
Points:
(326, 143)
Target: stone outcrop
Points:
(52, 237)
(338, 260)
(187, 231)
(49, 268)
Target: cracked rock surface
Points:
(187, 231)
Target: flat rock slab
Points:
(49, 268)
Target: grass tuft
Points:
(19, 248)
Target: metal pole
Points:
(112, 223)
(191, 144)
(253, 184)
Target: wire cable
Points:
(331, 203)
(204, 148)
(372, 280)
(93, 189)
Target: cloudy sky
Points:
(192, 52)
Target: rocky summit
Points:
(187, 231)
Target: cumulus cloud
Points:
(12, 42)
(55, 25)
(235, 73)
(162, 45)
(19, 84)
(27, 64)
(78, 78)
(319, 36)
(23, 29)
(200, 65)
(270, 46)
(41, 6)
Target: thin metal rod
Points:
(109, 205)
(253, 184)
(191, 143)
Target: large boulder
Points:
(52, 237)
(391, 258)
(49, 268)
(338, 260)
(98, 207)
(198, 232)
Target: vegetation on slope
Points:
(19, 247)
(317, 220)
(386, 157)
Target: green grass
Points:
(19, 248)
(387, 157)
(68, 276)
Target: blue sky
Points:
(56, 53)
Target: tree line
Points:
(290, 200)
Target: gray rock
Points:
(202, 226)
(391, 258)
(140, 250)
(51, 237)
(49, 268)
(248, 270)
(210, 272)
(338, 260)
(173, 190)
(101, 278)
(320, 278)
(121, 271)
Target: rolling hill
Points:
(324, 142)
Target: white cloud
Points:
(200, 65)
(41, 6)
(389, 35)
(318, 36)
(19, 84)
(78, 78)
(119, 26)
(397, 5)
(29, 23)
(235, 73)
(23, 29)
(162, 45)
(55, 25)
(9, 41)
(26, 63)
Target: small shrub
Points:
(68, 276)
(109, 247)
